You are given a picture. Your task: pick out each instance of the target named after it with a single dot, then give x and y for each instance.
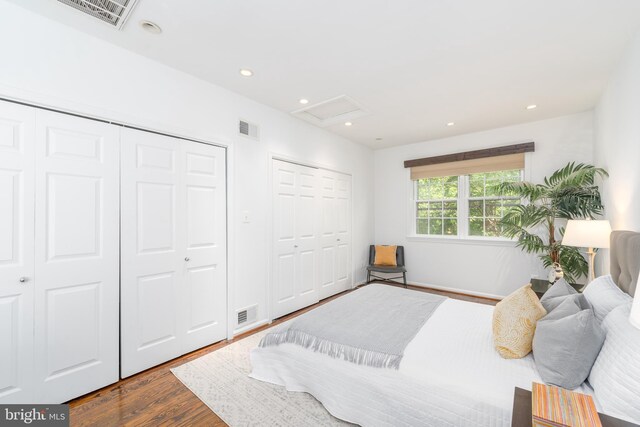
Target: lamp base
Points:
(592, 273)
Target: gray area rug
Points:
(221, 380)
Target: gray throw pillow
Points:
(556, 294)
(566, 343)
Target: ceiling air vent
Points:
(113, 12)
(248, 129)
(332, 111)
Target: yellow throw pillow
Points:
(514, 323)
(386, 255)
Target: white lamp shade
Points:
(587, 233)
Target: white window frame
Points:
(415, 210)
(463, 235)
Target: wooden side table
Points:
(522, 412)
(540, 286)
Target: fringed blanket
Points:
(371, 326)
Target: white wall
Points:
(51, 64)
(489, 268)
(617, 141)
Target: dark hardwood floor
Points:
(157, 398)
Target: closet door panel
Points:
(151, 255)
(343, 232)
(296, 232)
(205, 283)
(77, 250)
(17, 142)
(284, 230)
(328, 239)
(307, 232)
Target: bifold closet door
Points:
(335, 235)
(17, 143)
(173, 251)
(76, 256)
(295, 228)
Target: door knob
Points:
(295, 246)
(23, 279)
(338, 240)
(187, 259)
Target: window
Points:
(437, 206)
(465, 205)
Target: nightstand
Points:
(522, 412)
(540, 286)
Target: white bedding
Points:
(450, 376)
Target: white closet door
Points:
(335, 193)
(76, 256)
(205, 274)
(173, 253)
(151, 257)
(295, 228)
(343, 233)
(328, 233)
(17, 142)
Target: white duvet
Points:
(450, 376)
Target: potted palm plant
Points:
(538, 223)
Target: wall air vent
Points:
(113, 12)
(248, 129)
(332, 111)
(247, 315)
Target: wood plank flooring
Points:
(157, 398)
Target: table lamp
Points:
(590, 234)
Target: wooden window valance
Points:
(478, 161)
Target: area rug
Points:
(221, 380)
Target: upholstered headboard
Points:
(625, 259)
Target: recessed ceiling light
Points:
(532, 107)
(348, 123)
(151, 27)
(450, 124)
(304, 101)
(245, 72)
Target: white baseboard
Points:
(458, 290)
(247, 328)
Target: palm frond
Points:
(522, 189)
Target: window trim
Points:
(463, 236)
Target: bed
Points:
(449, 375)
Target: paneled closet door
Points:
(335, 240)
(76, 256)
(343, 234)
(152, 261)
(17, 142)
(205, 273)
(173, 253)
(295, 228)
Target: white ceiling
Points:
(415, 65)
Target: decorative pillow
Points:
(385, 255)
(556, 294)
(514, 323)
(615, 377)
(604, 295)
(566, 343)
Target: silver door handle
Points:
(187, 259)
(338, 240)
(23, 279)
(295, 246)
